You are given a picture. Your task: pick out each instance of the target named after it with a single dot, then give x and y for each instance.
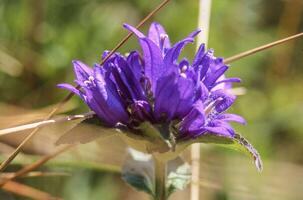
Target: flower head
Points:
(159, 87)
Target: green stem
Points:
(160, 178)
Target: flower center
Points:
(89, 81)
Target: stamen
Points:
(163, 37)
(90, 81)
(86, 83)
(183, 75)
(209, 107)
(184, 68)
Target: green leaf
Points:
(138, 171)
(242, 144)
(160, 132)
(237, 142)
(179, 176)
(86, 132)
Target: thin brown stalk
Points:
(27, 191)
(35, 174)
(261, 48)
(11, 157)
(45, 123)
(138, 26)
(34, 165)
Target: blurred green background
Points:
(38, 40)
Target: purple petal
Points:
(174, 97)
(232, 118)
(225, 103)
(211, 78)
(201, 92)
(200, 53)
(193, 123)
(82, 71)
(127, 82)
(174, 52)
(153, 60)
(203, 64)
(157, 35)
(108, 100)
(166, 96)
(220, 128)
(224, 100)
(104, 54)
(70, 88)
(133, 60)
(194, 33)
(228, 80)
(154, 66)
(186, 90)
(134, 30)
(219, 131)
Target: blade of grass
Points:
(261, 48)
(34, 165)
(35, 174)
(45, 123)
(27, 191)
(11, 157)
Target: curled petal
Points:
(134, 30)
(174, 52)
(232, 118)
(223, 100)
(225, 103)
(220, 128)
(228, 80)
(211, 78)
(70, 88)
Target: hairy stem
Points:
(160, 179)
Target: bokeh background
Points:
(39, 39)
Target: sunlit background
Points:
(39, 39)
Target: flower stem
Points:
(203, 24)
(160, 179)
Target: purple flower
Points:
(159, 87)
